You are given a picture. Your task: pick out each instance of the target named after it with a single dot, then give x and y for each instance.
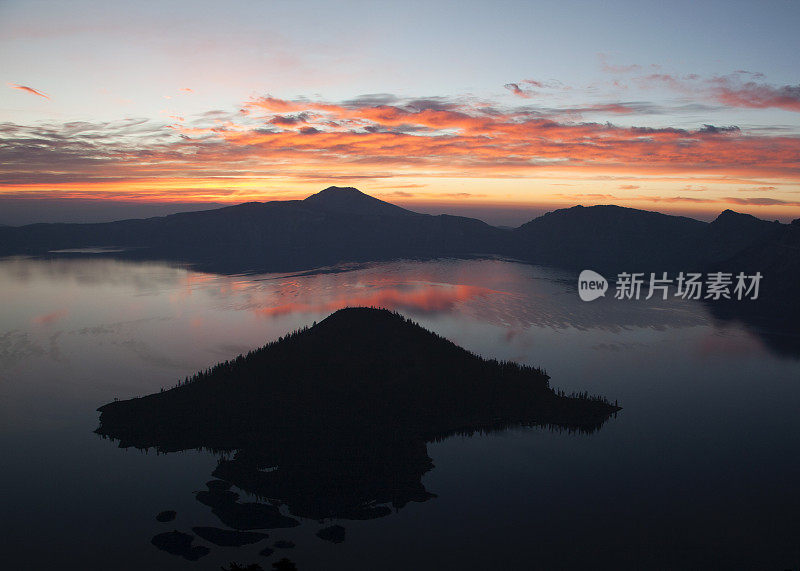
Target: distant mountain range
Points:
(335, 225)
(617, 238)
(345, 225)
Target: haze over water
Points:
(698, 470)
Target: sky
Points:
(501, 110)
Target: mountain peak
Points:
(728, 215)
(340, 190)
(350, 200)
(731, 218)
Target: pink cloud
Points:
(757, 95)
(730, 90)
(616, 69)
(517, 90)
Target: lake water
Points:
(698, 471)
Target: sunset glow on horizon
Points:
(249, 107)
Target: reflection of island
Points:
(333, 420)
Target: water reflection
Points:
(777, 328)
(706, 444)
(92, 294)
(492, 290)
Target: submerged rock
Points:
(284, 565)
(334, 533)
(216, 498)
(244, 515)
(253, 515)
(229, 538)
(179, 543)
(218, 485)
(166, 515)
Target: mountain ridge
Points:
(321, 201)
(343, 224)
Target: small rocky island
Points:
(360, 373)
(332, 421)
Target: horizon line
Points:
(407, 204)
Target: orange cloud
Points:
(485, 143)
(28, 89)
(275, 143)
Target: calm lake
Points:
(699, 470)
